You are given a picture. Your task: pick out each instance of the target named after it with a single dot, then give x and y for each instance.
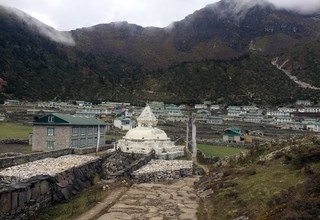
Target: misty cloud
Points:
(51, 33)
(71, 14)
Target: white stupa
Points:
(147, 137)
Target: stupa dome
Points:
(146, 133)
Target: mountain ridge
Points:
(116, 58)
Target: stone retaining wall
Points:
(126, 173)
(23, 199)
(14, 141)
(202, 158)
(163, 175)
(25, 158)
(20, 159)
(163, 170)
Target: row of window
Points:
(83, 142)
(75, 131)
(86, 130)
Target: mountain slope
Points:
(223, 51)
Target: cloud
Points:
(72, 14)
(51, 33)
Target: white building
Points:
(146, 137)
(287, 109)
(125, 124)
(314, 109)
(200, 106)
(214, 107)
(278, 113)
(303, 102)
(283, 120)
(250, 108)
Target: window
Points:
(96, 130)
(50, 145)
(90, 141)
(50, 131)
(90, 131)
(50, 119)
(101, 130)
(95, 141)
(75, 132)
(83, 131)
(74, 143)
(83, 142)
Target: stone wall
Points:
(202, 158)
(14, 141)
(126, 172)
(20, 159)
(81, 151)
(164, 170)
(13, 160)
(23, 199)
(61, 137)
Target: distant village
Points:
(301, 116)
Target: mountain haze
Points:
(223, 51)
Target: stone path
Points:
(99, 209)
(153, 201)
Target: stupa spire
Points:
(147, 118)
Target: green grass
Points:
(250, 193)
(14, 131)
(219, 151)
(75, 206)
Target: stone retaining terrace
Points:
(163, 170)
(48, 166)
(26, 188)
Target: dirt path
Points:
(293, 78)
(153, 201)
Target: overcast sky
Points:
(72, 14)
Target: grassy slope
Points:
(14, 131)
(269, 190)
(218, 151)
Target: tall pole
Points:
(194, 139)
(98, 139)
(187, 135)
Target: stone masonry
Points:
(163, 170)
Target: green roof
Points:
(233, 131)
(63, 119)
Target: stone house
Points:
(60, 131)
(232, 135)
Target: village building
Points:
(2, 117)
(123, 123)
(234, 108)
(59, 131)
(129, 113)
(214, 107)
(283, 120)
(313, 109)
(287, 109)
(278, 113)
(176, 118)
(146, 137)
(200, 106)
(235, 113)
(250, 108)
(303, 102)
(12, 102)
(215, 120)
(232, 135)
(252, 118)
